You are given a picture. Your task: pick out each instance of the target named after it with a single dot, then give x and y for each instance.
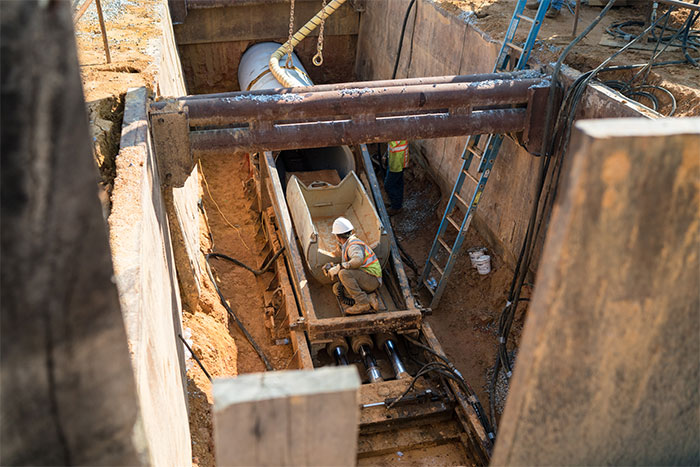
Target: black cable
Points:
(406, 257)
(257, 272)
(243, 329)
(403, 32)
(522, 265)
(206, 373)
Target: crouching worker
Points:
(359, 271)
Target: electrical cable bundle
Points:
(444, 367)
(684, 37)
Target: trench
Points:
(465, 323)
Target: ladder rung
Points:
(427, 286)
(475, 150)
(454, 224)
(526, 18)
(435, 265)
(472, 177)
(461, 200)
(516, 47)
(444, 244)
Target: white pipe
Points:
(254, 74)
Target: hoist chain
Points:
(318, 58)
(290, 49)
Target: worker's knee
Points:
(343, 275)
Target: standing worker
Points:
(393, 182)
(359, 271)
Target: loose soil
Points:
(492, 17)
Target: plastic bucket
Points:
(476, 253)
(483, 264)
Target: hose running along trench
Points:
(279, 72)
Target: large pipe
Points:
(340, 132)
(357, 102)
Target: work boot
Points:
(551, 13)
(532, 4)
(359, 308)
(373, 301)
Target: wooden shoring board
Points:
(479, 444)
(298, 340)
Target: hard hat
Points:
(341, 225)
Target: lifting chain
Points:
(318, 58)
(290, 49)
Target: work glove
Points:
(331, 270)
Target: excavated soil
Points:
(492, 17)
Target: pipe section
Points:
(340, 132)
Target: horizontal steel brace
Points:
(357, 102)
(342, 132)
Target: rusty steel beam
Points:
(199, 4)
(523, 74)
(358, 102)
(342, 132)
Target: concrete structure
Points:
(67, 388)
(607, 370)
(296, 417)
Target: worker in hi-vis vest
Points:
(393, 181)
(359, 271)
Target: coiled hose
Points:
(279, 72)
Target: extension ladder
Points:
(434, 276)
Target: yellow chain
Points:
(290, 49)
(318, 58)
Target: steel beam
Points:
(342, 132)
(356, 102)
(523, 74)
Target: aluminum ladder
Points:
(512, 56)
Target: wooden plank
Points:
(259, 22)
(298, 340)
(390, 321)
(408, 438)
(296, 417)
(609, 349)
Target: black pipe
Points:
(375, 376)
(340, 358)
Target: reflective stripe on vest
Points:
(398, 155)
(370, 264)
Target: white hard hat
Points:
(341, 225)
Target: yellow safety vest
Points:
(398, 156)
(370, 264)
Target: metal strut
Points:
(511, 56)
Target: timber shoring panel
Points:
(607, 371)
(68, 392)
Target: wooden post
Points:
(103, 30)
(287, 418)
